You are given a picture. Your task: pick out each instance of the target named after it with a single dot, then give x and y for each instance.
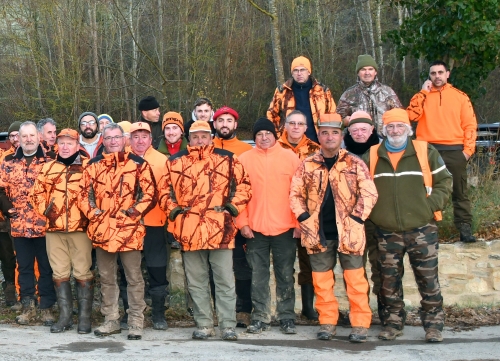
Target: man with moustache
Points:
(413, 185)
(301, 92)
(368, 94)
(90, 138)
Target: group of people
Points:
(323, 181)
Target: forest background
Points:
(60, 58)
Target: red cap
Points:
(226, 110)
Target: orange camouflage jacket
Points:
(16, 182)
(55, 194)
(304, 149)
(283, 103)
(204, 188)
(116, 191)
(354, 194)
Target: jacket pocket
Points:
(310, 232)
(353, 238)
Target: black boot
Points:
(85, 295)
(65, 302)
(158, 295)
(308, 310)
(466, 233)
(9, 291)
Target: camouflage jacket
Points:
(354, 194)
(375, 99)
(203, 189)
(304, 149)
(283, 103)
(16, 182)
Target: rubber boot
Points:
(308, 311)
(9, 291)
(85, 295)
(158, 295)
(243, 302)
(65, 302)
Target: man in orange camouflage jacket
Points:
(117, 191)
(18, 173)
(54, 197)
(332, 194)
(204, 188)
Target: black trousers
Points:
(7, 257)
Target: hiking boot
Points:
(65, 302)
(108, 328)
(326, 332)
(18, 306)
(134, 332)
(308, 311)
(358, 334)
(47, 317)
(228, 334)
(243, 319)
(466, 233)
(288, 327)
(202, 333)
(158, 309)
(29, 311)
(85, 296)
(389, 333)
(258, 327)
(9, 292)
(433, 335)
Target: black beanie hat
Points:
(14, 127)
(264, 124)
(85, 114)
(148, 103)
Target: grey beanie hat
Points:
(84, 114)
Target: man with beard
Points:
(150, 113)
(47, 129)
(301, 92)
(412, 182)
(225, 124)
(368, 94)
(294, 138)
(446, 119)
(90, 138)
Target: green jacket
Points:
(402, 203)
(163, 149)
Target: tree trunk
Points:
(276, 44)
(379, 41)
(95, 55)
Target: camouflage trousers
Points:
(422, 246)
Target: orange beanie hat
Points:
(396, 115)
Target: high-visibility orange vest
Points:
(421, 150)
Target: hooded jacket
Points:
(403, 204)
(54, 195)
(204, 188)
(116, 191)
(283, 103)
(304, 149)
(17, 179)
(354, 194)
(445, 117)
(374, 99)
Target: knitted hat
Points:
(301, 61)
(172, 118)
(68, 133)
(85, 114)
(140, 126)
(14, 127)
(333, 120)
(148, 103)
(105, 116)
(396, 115)
(200, 126)
(125, 125)
(226, 110)
(264, 124)
(360, 116)
(365, 60)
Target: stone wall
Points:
(469, 274)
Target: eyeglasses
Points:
(297, 71)
(116, 138)
(263, 133)
(88, 124)
(296, 124)
(13, 136)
